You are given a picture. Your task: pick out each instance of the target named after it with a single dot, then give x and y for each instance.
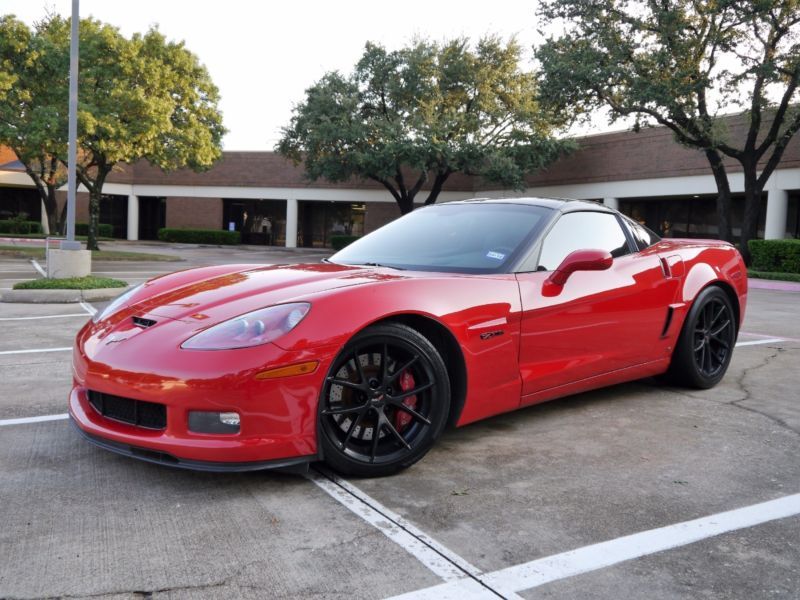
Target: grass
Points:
(112, 255)
(72, 283)
(774, 276)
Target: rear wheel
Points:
(706, 343)
(384, 402)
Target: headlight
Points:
(116, 304)
(251, 329)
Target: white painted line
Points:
(41, 419)
(36, 350)
(38, 267)
(446, 564)
(423, 553)
(82, 314)
(758, 342)
(369, 500)
(88, 308)
(605, 554)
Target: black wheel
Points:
(384, 403)
(706, 343)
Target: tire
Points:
(370, 384)
(706, 342)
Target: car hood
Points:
(216, 298)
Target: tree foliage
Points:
(139, 98)
(419, 114)
(32, 105)
(682, 64)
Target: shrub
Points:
(20, 226)
(103, 229)
(89, 282)
(199, 236)
(782, 256)
(340, 241)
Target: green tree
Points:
(143, 98)
(682, 64)
(140, 98)
(33, 103)
(420, 114)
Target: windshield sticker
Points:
(495, 255)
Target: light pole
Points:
(72, 131)
(71, 260)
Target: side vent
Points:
(143, 323)
(667, 322)
(665, 267)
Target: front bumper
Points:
(278, 416)
(161, 458)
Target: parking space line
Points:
(25, 420)
(442, 562)
(38, 267)
(88, 308)
(538, 572)
(81, 314)
(36, 350)
(757, 342)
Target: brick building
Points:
(646, 175)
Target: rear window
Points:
(643, 237)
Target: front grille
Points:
(149, 415)
(142, 322)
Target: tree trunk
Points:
(436, 189)
(51, 207)
(95, 193)
(406, 203)
(95, 188)
(723, 195)
(752, 210)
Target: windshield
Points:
(460, 238)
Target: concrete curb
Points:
(61, 296)
(773, 284)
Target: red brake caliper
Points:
(402, 418)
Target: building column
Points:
(777, 209)
(133, 217)
(611, 203)
(43, 219)
(291, 222)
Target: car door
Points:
(600, 321)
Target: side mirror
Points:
(580, 260)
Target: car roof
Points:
(563, 205)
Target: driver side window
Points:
(582, 231)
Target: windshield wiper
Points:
(375, 264)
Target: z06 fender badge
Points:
(490, 334)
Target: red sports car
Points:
(451, 314)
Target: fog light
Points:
(230, 418)
(213, 422)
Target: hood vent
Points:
(143, 323)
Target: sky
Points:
(263, 55)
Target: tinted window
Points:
(643, 237)
(469, 238)
(582, 231)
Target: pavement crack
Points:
(141, 594)
(740, 381)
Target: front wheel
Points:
(706, 343)
(384, 403)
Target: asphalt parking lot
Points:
(634, 491)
